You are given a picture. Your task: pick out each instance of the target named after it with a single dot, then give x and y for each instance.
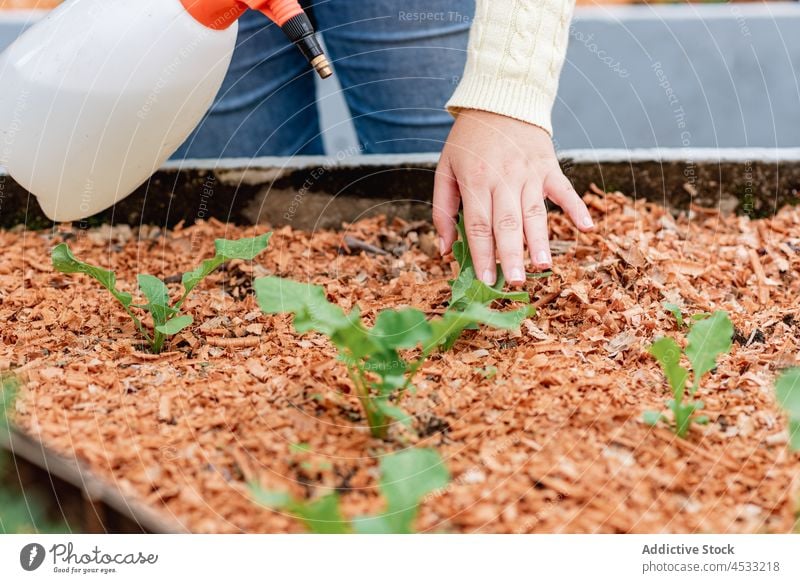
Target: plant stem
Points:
(375, 419)
(139, 325)
(158, 342)
(217, 261)
(179, 303)
(415, 369)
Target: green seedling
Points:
(467, 290)
(677, 313)
(708, 338)
(20, 513)
(304, 453)
(675, 310)
(378, 373)
(787, 390)
(487, 372)
(167, 319)
(406, 478)
(8, 394)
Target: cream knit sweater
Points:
(516, 50)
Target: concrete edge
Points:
(325, 192)
(278, 165)
(595, 156)
(674, 12)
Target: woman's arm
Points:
(499, 158)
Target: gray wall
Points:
(717, 75)
(682, 76)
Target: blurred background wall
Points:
(640, 76)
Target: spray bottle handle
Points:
(288, 14)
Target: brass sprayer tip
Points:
(322, 66)
(301, 32)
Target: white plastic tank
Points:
(98, 94)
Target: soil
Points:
(541, 429)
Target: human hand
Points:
(502, 169)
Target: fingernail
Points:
(442, 247)
(488, 277)
(543, 258)
(517, 275)
(587, 222)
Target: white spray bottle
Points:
(97, 95)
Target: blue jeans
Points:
(398, 62)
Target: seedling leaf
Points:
(65, 262)
(191, 279)
(175, 325)
(787, 391)
(270, 498)
(245, 249)
(652, 417)
(376, 369)
(393, 412)
(477, 291)
(447, 329)
(708, 338)
(467, 288)
(9, 386)
(157, 296)
(154, 290)
(320, 516)
(406, 478)
(378, 524)
(668, 354)
(675, 310)
(307, 302)
(697, 317)
(165, 322)
(401, 328)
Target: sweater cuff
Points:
(520, 101)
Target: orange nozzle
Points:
(288, 14)
(220, 14)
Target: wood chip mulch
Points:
(541, 429)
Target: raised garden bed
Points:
(541, 430)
